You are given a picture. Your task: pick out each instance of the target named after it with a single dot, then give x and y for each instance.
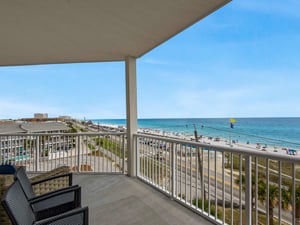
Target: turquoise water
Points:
(271, 131)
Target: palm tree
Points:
(287, 198)
(253, 179)
(297, 201)
(273, 198)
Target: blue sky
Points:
(241, 61)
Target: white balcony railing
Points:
(83, 152)
(227, 185)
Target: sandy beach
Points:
(222, 142)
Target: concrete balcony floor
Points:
(122, 200)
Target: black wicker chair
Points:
(51, 203)
(20, 212)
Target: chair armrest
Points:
(79, 216)
(51, 173)
(55, 192)
(68, 175)
(52, 183)
(74, 188)
(56, 202)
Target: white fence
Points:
(228, 185)
(83, 152)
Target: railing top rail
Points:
(222, 148)
(63, 134)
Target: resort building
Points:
(41, 115)
(17, 142)
(33, 127)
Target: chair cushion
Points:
(7, 169)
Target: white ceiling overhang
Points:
(67, 31)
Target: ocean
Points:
(270, 131)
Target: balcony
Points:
(125, 200)
(224, 185)
(177, 180)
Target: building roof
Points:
(64, 31)
(16, 128)
(11, 128)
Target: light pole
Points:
(200, 153)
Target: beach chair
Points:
(7, 173)
(20, 211)
(51, 203)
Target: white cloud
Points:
(98, 114)
(256, 99)
(12, 108)
(211, 102)
(224, 91)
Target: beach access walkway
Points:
(119, 199)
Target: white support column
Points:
(131, 113)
